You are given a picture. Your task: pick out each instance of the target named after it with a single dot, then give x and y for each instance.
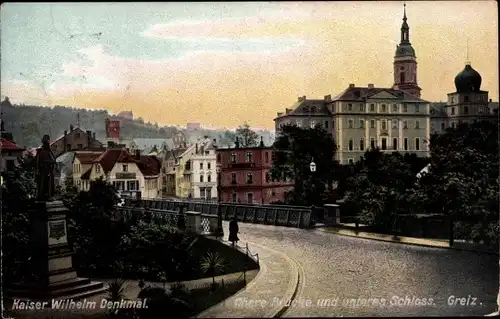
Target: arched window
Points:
(401, 78)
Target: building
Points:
(204, 169)
(112, 128)
(11, 153)
(467, 104)
(360, 118)
(75, 139)
(131, 174)
(146, 145)
(193, 126)
(169, 159)
(128, 115)
(180, 140)
(244, 176)
(82, 163)
(183, 173)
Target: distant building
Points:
(112, 128)
(10, 151)
(193, 126)
(131, 174)
(75, 139)
(146, 145)
(184, 172)
(180, 140)
(245, 178)
(204, 168)
(128, 115)
(360, 118)
(467, 104)
(169, 159)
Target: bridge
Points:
(305, 264)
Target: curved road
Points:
(350, 268)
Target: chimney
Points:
(371, 86)
(288, 111)
(196, 148)
(89, 138)
(71, 127)
(301, 98)
(351, 85)
(328, 98)
(93, 136)
(279, 114)
(65, 139)
(261, 144)
(138, 155)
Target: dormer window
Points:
(125, 167)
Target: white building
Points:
(129, 173)
(204, 170)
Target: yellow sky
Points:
(338, 43)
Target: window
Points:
(361, 107)
(79, 146)
(372, 123)
(394, 123)
(98, 168)
(326, 124)
(350, 160)
(208, 192)
(209, 166)
(249, 178)
(395, 143)
(201, 178)
(201, 165)
(268, 177)
(384, 143)
(405, 107)
(218, 157)
(417, 124)
(266, 154)
(361, 123)
(361, 145)
(68, 147)
(349, 123)
(233, 178)
(349, 107)
(234, 197)
(442, 127)
(250, 198)
(466, 110)
(452, 99)
(384, 125)
(417, 108)
(394, 107)
(248, 157)
(372, 143)
(466, 98)
(299, 123)
(125, 168)
(405, 124)
(383, 107)
(133, 185)
(401, 78)
(351, 145)
(313, 124)
(233, 157)
(406, 144)
(452, 111)
(372, 107)
(417, 144)
(209, 178)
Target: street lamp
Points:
(312, 166)
(220, 231)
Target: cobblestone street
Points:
(350, 268)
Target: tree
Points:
(212, 264)
(294, 149)
(246, 136)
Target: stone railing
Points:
(279, 215)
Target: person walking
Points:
(233, 230)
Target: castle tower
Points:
(405, 63)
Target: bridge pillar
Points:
(193, 222)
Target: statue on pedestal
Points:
(44, 171)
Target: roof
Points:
(308, 107)
(87, 157)
(147, 143)
(353, 93)
(9, 146)
(149, 165)
(438, 109)
(111, 156)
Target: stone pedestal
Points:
(56, 277)
(193, 222)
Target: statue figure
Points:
(44, 173)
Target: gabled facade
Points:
(204, 168)
(75, 140)
(183, 173)
(169, 160)
(81, 165)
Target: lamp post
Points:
(220, 231)
(312, 168)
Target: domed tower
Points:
(405, 63)
(468, 103)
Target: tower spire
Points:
(467, 61)
(405, 29)
(404, 15)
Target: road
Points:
(342, 267)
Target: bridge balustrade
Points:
(279, 215)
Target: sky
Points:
(225, 63)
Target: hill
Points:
(28, 123)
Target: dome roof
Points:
(405, 50)
(469, 80)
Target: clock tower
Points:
(405, 63)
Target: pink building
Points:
(244, 176)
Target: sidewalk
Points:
(425, 242)
(277, 280)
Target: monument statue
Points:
(44, 172)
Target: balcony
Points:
(241, 165)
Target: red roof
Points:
(87, 157)
(149, 165)
(110, 157)
(9, 146)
